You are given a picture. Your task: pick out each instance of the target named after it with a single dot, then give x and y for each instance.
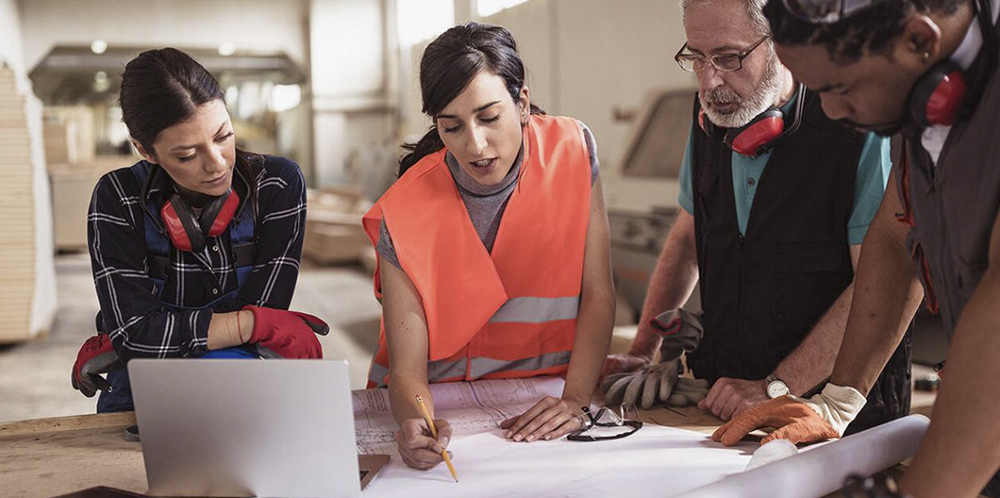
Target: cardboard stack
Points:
(68, 136)
(17, 215)
(333, 227)
(72, 186)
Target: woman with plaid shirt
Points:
(195, 249)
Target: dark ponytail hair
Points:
(163, 87)
(450, 62)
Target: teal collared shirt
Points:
(873, 173)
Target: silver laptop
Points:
(248, 428)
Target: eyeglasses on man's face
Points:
(693, 63)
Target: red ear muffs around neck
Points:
(188, 232)
(938, 96)
(752, 139)
(755, 137)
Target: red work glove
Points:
(286, 334)
(793, 420)
(96, 357)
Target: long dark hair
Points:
(163, 87)
(450, 62)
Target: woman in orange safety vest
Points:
(494, 258)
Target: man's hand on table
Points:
(823, 416)
(730, 397)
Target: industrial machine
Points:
(641, 190)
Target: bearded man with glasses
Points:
(776, 201)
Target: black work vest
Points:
(955, 203)
(763, 292)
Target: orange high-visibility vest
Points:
(512, 312)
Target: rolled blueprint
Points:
(821, 470)
(778, 449)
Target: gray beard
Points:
(762, 98)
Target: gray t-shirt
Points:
(486, 203)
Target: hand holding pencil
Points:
(419, 446)
(434, 433)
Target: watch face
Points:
(776, 389)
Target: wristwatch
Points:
(775, 387)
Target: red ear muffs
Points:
(188, 232)
(752, 139)
(938, 95)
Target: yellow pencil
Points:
(434, 432)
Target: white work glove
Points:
(838, 405)
(821, 417)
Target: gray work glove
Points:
(660, 382)
(656, 384)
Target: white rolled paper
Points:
(779, 449)
(821, 470)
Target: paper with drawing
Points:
(659, 461)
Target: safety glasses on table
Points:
(724, 62)
(825, 11)
(606, 424)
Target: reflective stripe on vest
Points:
(506, 313)
(537, 310)
(448, 370)
(481, 367)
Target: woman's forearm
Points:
(590, 345)
(402, 397)
(230, 329)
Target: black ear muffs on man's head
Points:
(751, 139)
(189, 232)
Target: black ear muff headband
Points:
(189, 232)
(186, 231)
(944, 92)
(760, 134)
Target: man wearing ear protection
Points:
(927, 69)
(776, 200)
(166, 263)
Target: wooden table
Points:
(50, 457)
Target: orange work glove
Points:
(794, 421)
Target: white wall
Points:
(352, 85)
(587, 58)
(11, 46)
(347, 44)
(256, 25)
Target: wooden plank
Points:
(14, 338)
(18, 294)
(57, 456)
(14, 255)
(14, 299)
(72, 423)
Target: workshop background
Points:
(331, 84)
